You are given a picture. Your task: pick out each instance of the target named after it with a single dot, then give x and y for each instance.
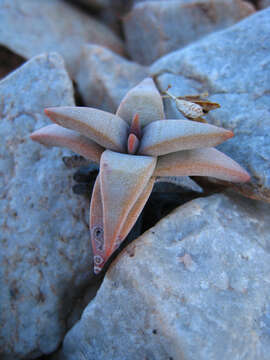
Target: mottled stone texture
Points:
(195, 286)
(234, 67)
(104, 78)
(30, 27)
(45, 251)
(155, 28)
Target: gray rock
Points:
(234, 67)
(104, 77)
(155, 28)
(195, 286)
(45, 252)
(30, 27)
(264, 4)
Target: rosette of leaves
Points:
(133, 147)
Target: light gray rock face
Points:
(30, 27)
(264, 4)
(104, 78)
(155, 28)
(195, 286)
(234, 67)
(45, 251)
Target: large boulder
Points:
(234, 67)
(30, 27)
(155, 28)
(104, 78)
(195, 286)
(45, 250)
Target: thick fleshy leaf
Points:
(55, 135)
(122, 178)
(201, 162)
(144, 100)
(135, 127)
(135, 211)
(132, 144)
(107, 129)
(167, 136)
(97, 228)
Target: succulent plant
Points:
(133, 147)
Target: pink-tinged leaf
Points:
(132, 144)
(144, 100)
(97, 229)
(167, 136)
(135, 127)
(106, 129)
(201, 162)
(135, 211)
(122, 178)
(55, 135)
(96, 223)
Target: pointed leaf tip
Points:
(143, 99)
(167, 136)
(132, 144)
(106, 129)
(55, 135)
(135, 127)
(201, 162)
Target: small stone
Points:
(45, 250)
(155, 28)
(30, 27)
(151, 306)
(234, 68)
(104, 78)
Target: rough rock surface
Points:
(104, 78)
(30, 27)
(234, 67)
(45, 251)
(155, 28)
(186, 289)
